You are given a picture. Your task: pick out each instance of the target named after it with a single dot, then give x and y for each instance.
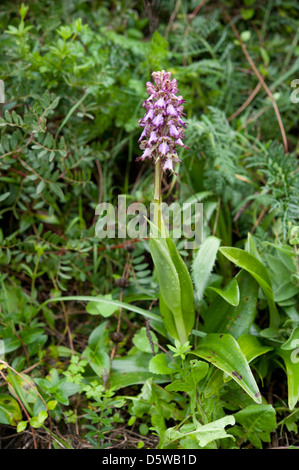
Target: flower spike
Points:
(164, 128)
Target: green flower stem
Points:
(157, 194)
(181, 329)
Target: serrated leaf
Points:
(203, 264)
(203, 434)
(258, 422)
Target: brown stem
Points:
(262, 81)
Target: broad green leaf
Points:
(167, 274)
(186, 286)
(169, 283)
(98, 335)
(141, 341)
(278, 268)
(104, 300)
(199, 370)
(271, 333)
(293, 341)
(285, 291)
(251, 264)
(224, 318)
(251, 247)
(216, 381)
(22, 425)
(96, 352)
(251, 347)
(247, 13)
(104, 309)
(2, 92)
(203, 264)
(291, 421)
(288, 256)
(285, 250)
(258, 422)
(230, 293)
(38, 421)
(124, 305)
(168, 318)
(202, 434)
(98, 360)
(39, 405)
(10, 411)
(291, 360)
(224, 352)
(24, 387)
(158, 365)
(137, 362)
(52, 405)
(58, 388)
(132, 370)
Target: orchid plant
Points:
(164, 131)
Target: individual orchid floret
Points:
(168, 165)
(163, 148)
(153, 137)
(173, 131)
(163, 124)
(160, 103)
(171, 111)
(158, 120)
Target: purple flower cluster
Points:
(163, 125)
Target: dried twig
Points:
(100, 187)
(262, 81)
(172, 17)
(246, 103)
(259, 219)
